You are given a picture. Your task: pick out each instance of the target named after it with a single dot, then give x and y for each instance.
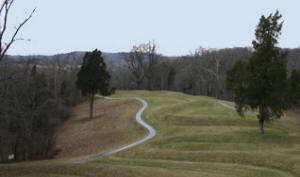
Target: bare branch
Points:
(13, 39)
(5, 20)
(22, 39)
(209, 71)
(2, 6)
(7, 6)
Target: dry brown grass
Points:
(113, 126)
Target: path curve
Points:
(139, 119)
(233, 108)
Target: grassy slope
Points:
(113, 126)
(195, 137)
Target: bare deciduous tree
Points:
(152, 60)
(136, 64)
(142, 62)
(5, 7)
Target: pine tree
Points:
(261, 83)
(93, 77)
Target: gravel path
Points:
(139, 119)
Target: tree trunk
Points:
(261, 127)
(161, 83)
(139, 84)
(262, 117)
(1, 151)
(149, 84)
(91, 105)
(15, 149)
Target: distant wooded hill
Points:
(72, 57)
(64, 58)
(76, 57)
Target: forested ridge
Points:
(202, 72)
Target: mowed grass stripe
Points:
(195, 137)
(195, 129)
(209, 168)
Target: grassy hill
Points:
(113, 126)
(195, 137)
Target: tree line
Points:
(203, 72)
(34, 100)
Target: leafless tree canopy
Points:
(202, 72)
(5, 7)
(33, 102)
(143, 62)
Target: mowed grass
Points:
(195, 137)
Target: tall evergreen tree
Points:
(261, 83)
(93, 77)
(294, 88)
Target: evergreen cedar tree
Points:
(294, 88)
(93, 78)
(261, 83)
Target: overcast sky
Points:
(177, 26)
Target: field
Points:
(195, 137)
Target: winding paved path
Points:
(233, 108)
(139, 119)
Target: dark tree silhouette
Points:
(93, 77)
(261, 83)
(294, 88)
